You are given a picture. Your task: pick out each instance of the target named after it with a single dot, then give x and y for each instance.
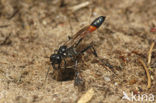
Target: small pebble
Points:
(115, 83)
(107, 79)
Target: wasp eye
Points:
(55, 58)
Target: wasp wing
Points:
(76, 37)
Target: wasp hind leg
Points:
(91, 48)
(78, 42)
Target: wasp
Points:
(70, 48)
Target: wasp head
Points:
(55, 59)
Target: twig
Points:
(70, 26)
(6, 42)
(147, 73)
(3, 26)
(16, 11)
(79, 6)
(90, 15)
(3, 62)
(47, 74)
(150, 54)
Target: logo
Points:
(138, 97)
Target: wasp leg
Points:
(92, 49)
(78, 81)
(78, 42)
(65, 63)
(75, 69)
(54, 67)
(75, 66)
(59, 66)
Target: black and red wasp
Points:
(69, 48)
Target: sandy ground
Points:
(30, 31)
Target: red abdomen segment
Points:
(96, 23)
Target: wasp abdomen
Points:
(98, 21)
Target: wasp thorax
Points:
(62, 49)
